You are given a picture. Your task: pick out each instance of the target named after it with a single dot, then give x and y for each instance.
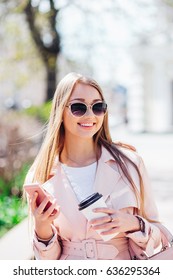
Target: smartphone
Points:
(34, 187)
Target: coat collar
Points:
(105, 155)
(107, 171)
(107, 174)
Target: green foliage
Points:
(14, 187)
(13, 211)
(20, 177)
(18, 150)
(13, 208)
(5, 187)
(40, 112)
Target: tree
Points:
(46, 37)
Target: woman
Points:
(78, 158)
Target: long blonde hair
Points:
(54, 138)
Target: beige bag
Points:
(166, 253)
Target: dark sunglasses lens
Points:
(78, 109)
(99, 108)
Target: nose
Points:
(89, 111)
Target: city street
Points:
(157, 153)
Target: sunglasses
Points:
(79, 109)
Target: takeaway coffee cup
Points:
(88, 204)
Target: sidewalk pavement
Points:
(157, 153)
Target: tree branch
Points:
(54, 47)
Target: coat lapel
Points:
(111, 182)
(60, 188)
(107, 177)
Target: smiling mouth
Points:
(86, 124)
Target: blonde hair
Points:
(54, 138)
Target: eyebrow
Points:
(83, 100)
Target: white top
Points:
(81, 179)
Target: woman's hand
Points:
(43, 219)
(114, 222)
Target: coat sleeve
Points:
(52, 250)
(151, 238)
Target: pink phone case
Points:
(31, 188)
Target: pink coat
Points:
(79, 240)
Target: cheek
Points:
(67, 119)
(100, 123)
(69, 122)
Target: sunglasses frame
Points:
(90, 106)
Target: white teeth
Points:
(86, 124)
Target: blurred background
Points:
(127, 46)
